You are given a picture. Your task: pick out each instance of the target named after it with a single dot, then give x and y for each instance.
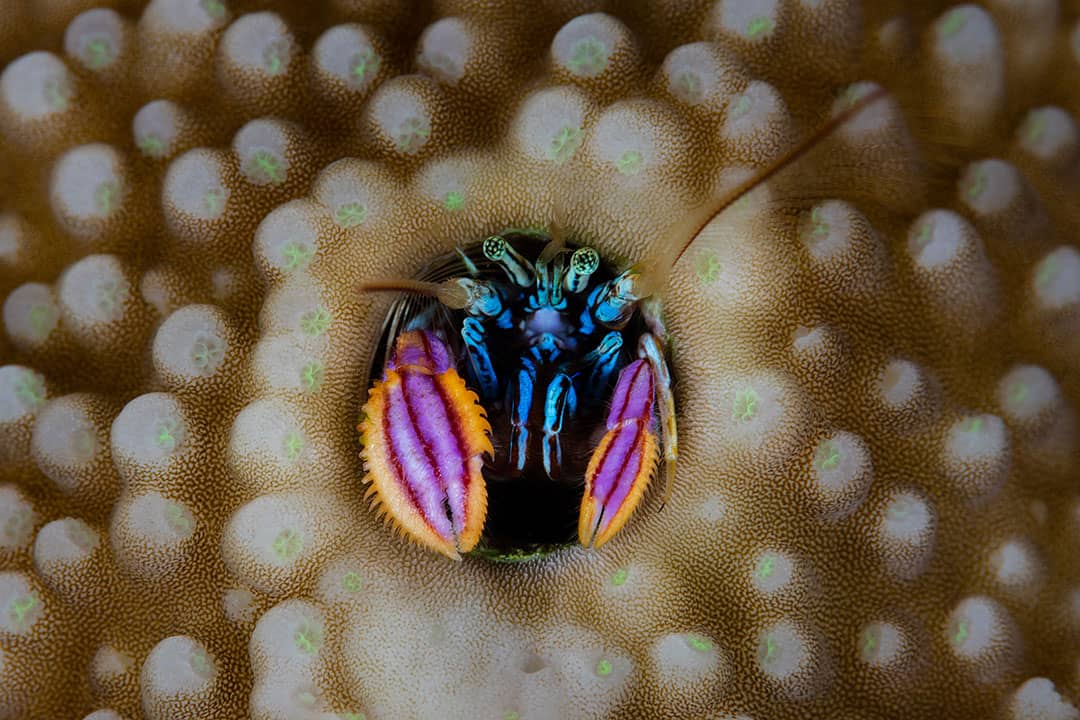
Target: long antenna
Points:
(448, 293)
(796, 152)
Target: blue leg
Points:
(600, 365)
(520, 403)
(475, 336)
(614, 303)
(549, 285)
(560, 400)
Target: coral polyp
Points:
(876, 509)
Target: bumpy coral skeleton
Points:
(877, 508)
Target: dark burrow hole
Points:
(528, 514)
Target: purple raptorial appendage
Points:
(422, 348)
(633, 398)
(619, 466)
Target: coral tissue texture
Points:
(876, 514)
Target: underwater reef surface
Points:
(876, 353)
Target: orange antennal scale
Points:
(797, 151)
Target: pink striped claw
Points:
(621, 466)
(424, 435)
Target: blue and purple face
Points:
(550, 343)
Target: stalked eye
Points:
(504, 419)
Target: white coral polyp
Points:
(36, 85)
(177, 671)
(66, 441)
(192, 343)
(445, 50)
(1038, 699)
(150, 430)
(195, 187)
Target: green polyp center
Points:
(295, 255)
(699, 643)
(308, 637)
(411, 134)
(30, 389)
(745, 406)
(165, 435)
(214, 8)
(900, 509)
(741, 106)
(84, 441)
(1033, 127)
(768, 651)
(563, 145)
(869, 642)
(1045, 272)
(110, 293)
(105, 196)
(603, 668)
(311, 376)
(766, 566)
(708, 267)
(972, 425)
(267, 166)
(275, 57)
(151, 145)
(351, 582)
(959, 632)
(287, 544)
(819, 228)
(363, 64)
(828, 456)
(688, 86)
(454, 200)
(200, 664)
(977, 185)
(206, 353)
(351, 215)
(630, 162)
(214, 200)
(588, 57)
(20, 608)
(854, 94)
(16, 525)
(57, 93)
(953, 23)
(759, 26)
(98, 53)
(315, 322)
(41, 319)
(1017, 393)
(922, 237)
(293, 445)
(177, 518)
(618, 578)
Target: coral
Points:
(877, 506)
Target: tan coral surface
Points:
(877, 510)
